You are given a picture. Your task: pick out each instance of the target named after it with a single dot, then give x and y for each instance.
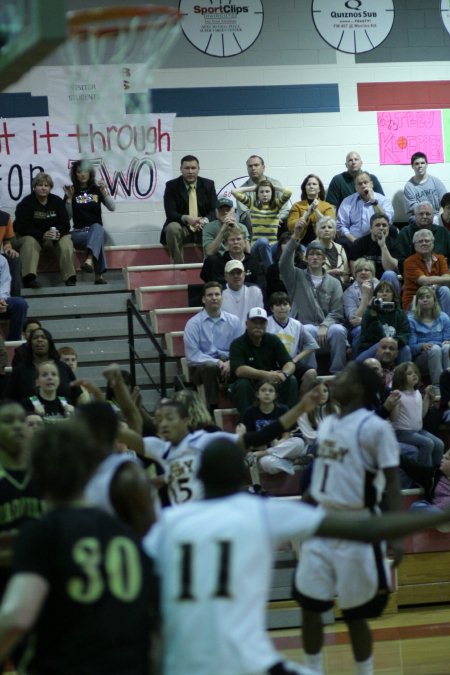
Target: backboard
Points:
(29, 31)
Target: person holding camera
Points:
(384, 318)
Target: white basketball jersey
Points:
(181, 462)
(352, 451)
(97, 491)
(215, 559)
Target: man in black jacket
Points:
(189, 203)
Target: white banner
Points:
(132, 153)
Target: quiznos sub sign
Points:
(219, 28)
(353, 26)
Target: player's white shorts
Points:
(354, 571)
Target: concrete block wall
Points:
(288, 51)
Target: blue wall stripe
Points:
(23, 105)
(267, 100)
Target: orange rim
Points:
(82, 23)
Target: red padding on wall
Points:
(379, 96)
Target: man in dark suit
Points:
(189, 203)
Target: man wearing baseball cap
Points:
(316, 299)
(214, 232)
(258, 355)
(238, 297)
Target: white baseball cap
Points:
(257, 313)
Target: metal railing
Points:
(133, 314)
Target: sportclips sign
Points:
(221, 27)
(353, 26)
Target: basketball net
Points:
(111, 55)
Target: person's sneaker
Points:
(30, 281)
(71, 281)
(256, 489)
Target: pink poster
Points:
(403, 132)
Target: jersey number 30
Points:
(117, 570)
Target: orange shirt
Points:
(415, 267)
(6, 226)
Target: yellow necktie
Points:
(193, 208)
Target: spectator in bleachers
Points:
(189, 203)
(444, 218)
(436, 484)
(387, 355)
(30, 324)
(84, 199)
(42, 223)
(353, 218)
(407, 417)
(264, 212)
(234, 241)
(357, 298)
(316, 299)
(255, 169)
(422, 187)
(273, 280)
(430, 335)
(207, 339)
(336, 262)
(238, 297)
(296, 338)
(45, 402)
(69, 356)
(12, 308)
(281, 454)
(40, 347)
(258, 355)
(310, 209)
(426, 267)
(384, 318)
(213, 234)
(343, 184)
(379, 247)
(7, 237)
(423, 221)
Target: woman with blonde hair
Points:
(429, 335)
(336, 262)
(357, 298)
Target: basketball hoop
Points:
(133, 42)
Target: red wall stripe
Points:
(379, 96)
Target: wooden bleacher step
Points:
(154, 275)
(118, 257)
(168, 320)
(174, 343)
(162, 297)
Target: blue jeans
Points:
(92, 238)
(430, 448)
(263, 251)
(16, 313)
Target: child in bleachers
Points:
(407, 416)
(264, 209)
(296, 338)
(283, 452)
(308, 423)
(45, 402)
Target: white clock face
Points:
(445, 14)
(353, 26)
(221, 27)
